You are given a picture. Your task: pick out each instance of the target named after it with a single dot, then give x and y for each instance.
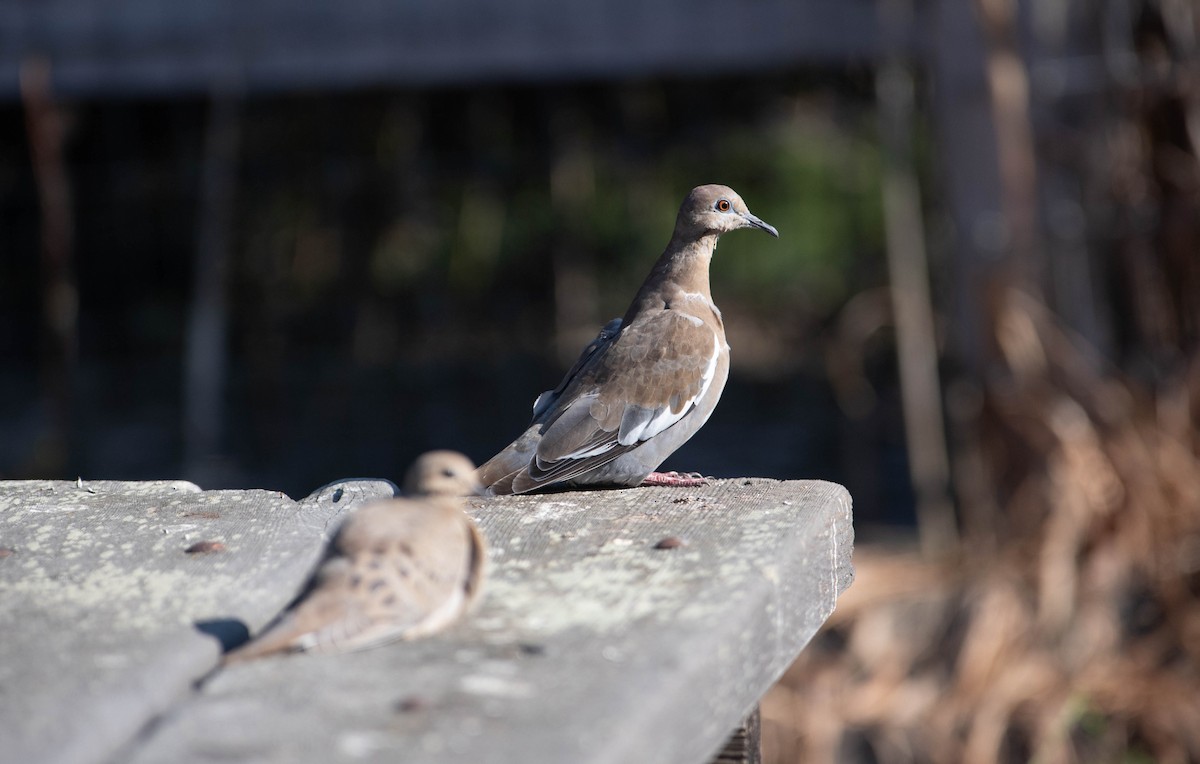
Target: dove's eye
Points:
(447, 473)
(723, 205)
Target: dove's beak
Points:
(759, 223)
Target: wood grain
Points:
(595, 643)
(591, 646)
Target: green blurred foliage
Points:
(820, 186)
(471, 201)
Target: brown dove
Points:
(397, 569)
(647, 382)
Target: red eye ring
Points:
(723, 205)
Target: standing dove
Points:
(647, 382)
(397, 569)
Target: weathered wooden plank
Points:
(592, 645)
(101, 598)
(147, 46)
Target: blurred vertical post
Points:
(1069, 97)
(206, 350)
(46, 125)
(908, 267)
(1008, 84)
(572, 193)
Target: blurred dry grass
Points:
(1068, 628)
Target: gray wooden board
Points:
(100, 598)
(590, 646)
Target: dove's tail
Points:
(497, 473)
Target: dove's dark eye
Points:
(447, 473)
(723, 205)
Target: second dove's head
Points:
(442, 473)
(715, 209)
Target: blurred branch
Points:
(206, 351)
(46, 125)
(859, 319)
(908, 267)
(1074, 638)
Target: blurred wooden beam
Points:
(146, 46)
(1008, 85)
(206, 359)
(965, 138)
(572, 193)
(46, 127)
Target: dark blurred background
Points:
(279, 245)
(271, 244)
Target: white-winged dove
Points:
(397, 569)
(647, 382)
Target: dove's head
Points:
(715, 209)
(442, 473)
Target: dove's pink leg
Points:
(673, 478)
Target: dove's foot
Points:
(685, 479)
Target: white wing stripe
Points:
(593, 451)
(666, 417)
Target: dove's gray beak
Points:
(757, 223)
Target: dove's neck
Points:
(682, 268)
